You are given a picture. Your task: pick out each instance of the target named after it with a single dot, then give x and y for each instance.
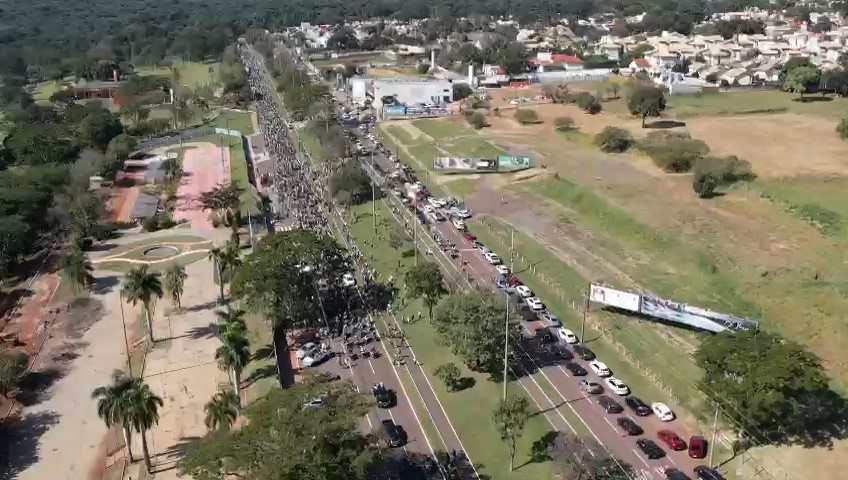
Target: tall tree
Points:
(425, 280)
(221, 198)
(232, 356)
(226, 261)
(142, 285)
(577, 458)
(77, 268)
(112, 406)
(799, 80)
(510, 417)
(142, 413)
(221, 410)
(133, 110)
(13, 367)
(175, 278)
(231, 320)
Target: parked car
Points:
(514, 282)
(697, 446)
(500, 282)
(650, 448)
(458, 224)
(609, 405)
(306, 350)
(502, 269)
(524, 291)
(617, 386)
(551, 320)
(482, 248)
(493, 258)
(395, 436)
(639, 407)
(600, 368)
(545, 335)
(590, 387)
(567, 335)
(560, 352)
(672, 439)
(348, 280)
(583, 352)
(534, 303)
(629, 426)
(707, 473)
(675, 474)
(469, 236)
(662, 411)
(576, 369)
(316, 358)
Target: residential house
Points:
(717, 56)
(737, 77)
(641, 65)
(554, 61)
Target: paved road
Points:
(568, 409)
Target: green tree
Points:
(226, 260)
(175, 278)
(78, 268)
(775, 384)
(129, 401)
(510, 417)
(583, 459)
(450, 374)
(280, 278)
(232, 356)
(513, 58)
(842, 129)
(221, 410)
(614, 87)
(122, 146)
(142, 285)
(478, 120)
(646, 102)
(134, 111)
(99, 127)
(799, 80)
(328, 443)
(13, 367)
(564, 123)
(231, 320)
(525, 116)
(425, 280)
(396, 241)
(613, 139)
(704, 183)
(221, 198)
(172, 167)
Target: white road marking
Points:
(640, 458)
(372, 367)
(610, 424)
(672, 461)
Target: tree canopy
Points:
(646, 101)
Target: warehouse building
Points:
(407, 91)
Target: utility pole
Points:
(126, 339)
(583, 325)
(506, 345)
(373, 194)
(415, 232)
(712, 441)
(511, 250)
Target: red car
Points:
(697, 447)
(470, 237)
(513, 282)
(672, 440)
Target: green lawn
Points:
(118, 265)
(740, 102)
(233, 120)
(44, 90)
(473, 147)
(401, 134)
(461, 187)
(240, 121)
(192, 74)
(440, 129)
(260, 374)
(819, 201)
(470, 410)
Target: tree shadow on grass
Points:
(465, 383)
(663, 124)
(19, 438)
(260, 373)
(812, 99)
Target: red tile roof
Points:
(556, 58)
(642, 62)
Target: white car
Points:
(493, 258)
(305, 350)
(438, 202)
(502, 269)
(484, 250)
(459, 224)
(524, 291)
(463, 213)
(535, 303)
(617, 386)
(552, 320)
(600, 368)
(428, 208)
(348, 280)
(662, 411)
(568, 336)
(316, 358)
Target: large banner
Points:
(615, 298)
(461, 164)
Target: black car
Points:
(545, 335)
(629, 426)
(583, 352)
(675, 474)
(609, 405)
(560, 352)
(706, 473)
(383, 395)
(649, 448)
(575, 369)
(395, 435)
(639, 407)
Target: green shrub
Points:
(613, 139)
(728, 169)
(704, 183)
(450, 374)
(673, 151)
(842, 129)
(526, 117)
(478, 120)
(588, 103)
(564, 123)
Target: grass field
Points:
(470, 410)
(192, 74)
(43, 91)
(241, 121)
(438, 129)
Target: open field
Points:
(772, 249)
(192, 74)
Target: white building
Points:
(408, 91)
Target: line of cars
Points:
(559, 339)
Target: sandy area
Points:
(204, 169)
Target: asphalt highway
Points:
(552, 388)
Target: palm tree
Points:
(78, 270)
(221, 410)
(174, 281)
(112, 407)
(142, 285)
(216, 255)
(226, 261)
(230, 320)
(142, 413)
(233, 355)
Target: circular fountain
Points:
(161, 251)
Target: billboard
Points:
(615, 298)
(394, 110)
(462, 164)
(512, 162)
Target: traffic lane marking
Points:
(640, 458)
